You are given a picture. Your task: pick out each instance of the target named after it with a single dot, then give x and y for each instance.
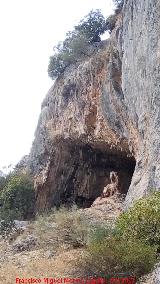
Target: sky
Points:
(29, 29)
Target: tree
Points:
(67, 53)
(17, 197)
(119, 5)
(2, 182)
(92, 26)
(76, 43)
(56, 66)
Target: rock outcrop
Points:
(103, 115)
(141, 88)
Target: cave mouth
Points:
(91, 173)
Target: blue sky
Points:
(28, 31)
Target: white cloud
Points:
(28, 31)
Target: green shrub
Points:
(119, 5)
(114, 256)
(142, 221)
(110, 23)
(67, 53)
(88, 31)
(63, 227)
(92, 26)
(73, 227)
(2, 182)
(6, 223)
(131, 246)
(56, 66)
(76, 43)
(111, 20)
(98, 233)
(17, 198)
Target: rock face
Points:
(103, 115)
(141, 82)
(152, 278)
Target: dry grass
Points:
(62, 228)
(62, 235)
(63, 265)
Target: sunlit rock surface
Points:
(103, 115)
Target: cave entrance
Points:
(91, 173)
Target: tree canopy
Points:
(92, 26)
(76, 42)
(119, 5)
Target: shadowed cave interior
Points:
(90, 173)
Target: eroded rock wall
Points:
(103, 115)
(141, 89)
(82, 132)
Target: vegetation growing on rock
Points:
(119, 5)
(76, 43)
(17, 198)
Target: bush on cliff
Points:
(111, 20)
(76, 43)
(17, 198)
(110, 23)
(119, 5)
(67, 53)
(92, 26)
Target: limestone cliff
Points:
(141, 88)
(103, 115)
